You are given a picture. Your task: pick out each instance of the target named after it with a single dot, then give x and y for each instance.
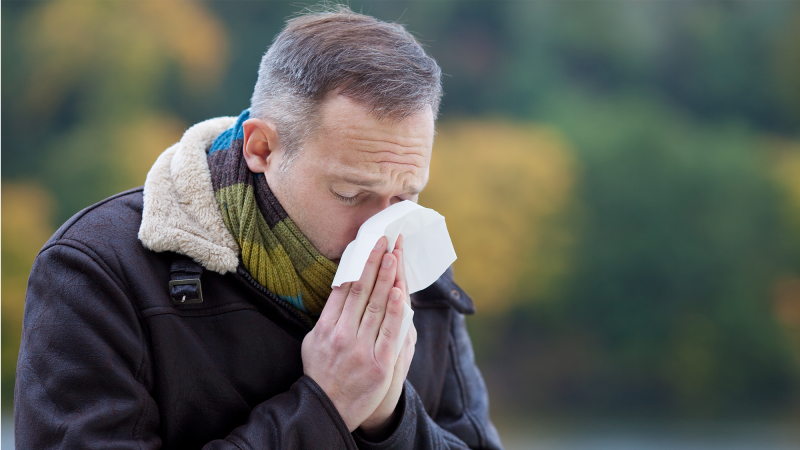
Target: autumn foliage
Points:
(621, 180)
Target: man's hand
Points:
(350, 352)
(377, 426)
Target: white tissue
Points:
(408, 316)
(427, 249)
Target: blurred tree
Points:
(679, 243)
(786, 293)
(786, 67)
(115, 53)
(502, 187)
(88, 118)
(786, 299)
(26, 209)
(786, 164)
(623, 229)
(94, 73)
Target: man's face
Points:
(353, 167)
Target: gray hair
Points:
(375, 63)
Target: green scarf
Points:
(274, 251)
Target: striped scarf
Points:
(274, 251)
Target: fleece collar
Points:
(180, 211)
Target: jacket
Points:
(112, 358)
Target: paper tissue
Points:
(427, 249)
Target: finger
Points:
(407, 351)
(360, 290)
(333, 307)
(386, 342)
(401, 281)
(409, 346)
(376, 308)
(403, 364)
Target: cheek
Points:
(351, 220)
(348, 220)
(336, 225)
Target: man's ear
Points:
(260, 145)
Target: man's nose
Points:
(381, 203)
(385, 202)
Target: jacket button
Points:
(455, 295)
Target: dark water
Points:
(743, 436)
(739, 436)
(7, 430)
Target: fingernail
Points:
(387, 260)
(394, 295)
(378, 244)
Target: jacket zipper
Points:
(274, 297)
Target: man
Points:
(197, 311)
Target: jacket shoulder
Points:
(105, 236)
(444, 293)
(112, 219)
(107, 232)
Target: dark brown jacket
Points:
(108, 360)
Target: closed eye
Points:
(348, 200)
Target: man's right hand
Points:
(350, 353)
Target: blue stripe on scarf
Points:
(297, 302)
(226, 138)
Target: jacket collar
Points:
(180, 212)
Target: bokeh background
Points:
(621, 181)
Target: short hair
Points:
(377, 64)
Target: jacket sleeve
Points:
(81, 381)
(462, 420)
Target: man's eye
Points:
(348, 200)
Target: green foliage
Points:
(668, 304)
(648, 284)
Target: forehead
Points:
(354, 143)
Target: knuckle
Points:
(357, 288)
(339, 340)
(379, 370)
(386, 275)
(394, 308)
(374, 307)
(388, 333)
(375, 256)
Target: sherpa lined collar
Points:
(180, 211)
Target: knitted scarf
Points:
(274, 251)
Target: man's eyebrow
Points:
(377, 182)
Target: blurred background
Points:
(621, 181)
